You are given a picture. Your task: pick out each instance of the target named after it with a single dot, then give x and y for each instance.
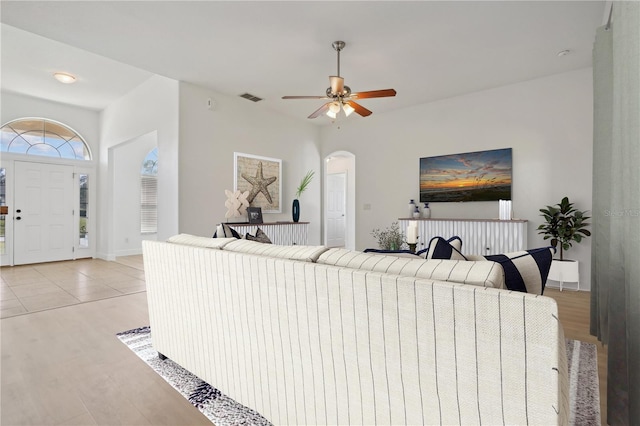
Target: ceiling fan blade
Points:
(374, 94)
(358, 108)
(337, 84)
(304, 97)
(320, 110)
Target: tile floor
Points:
(66, 366)
(33, 288)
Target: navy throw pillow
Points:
(525, 271)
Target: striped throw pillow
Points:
(225, 231)
(525, 271)
(439, 248)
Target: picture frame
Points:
(262, 177)
(470, 176)
(254, 214)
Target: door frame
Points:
(79, 167)
(337, 162)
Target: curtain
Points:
(615, 294)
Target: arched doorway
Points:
(340, 200)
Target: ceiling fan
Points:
(341, 97)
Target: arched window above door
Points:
(43, 137)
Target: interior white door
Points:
(43, 215)
(336, 209)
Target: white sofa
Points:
(374, 340)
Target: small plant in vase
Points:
(564, 224)
(304, 183)
(389, 238)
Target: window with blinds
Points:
(149, 193)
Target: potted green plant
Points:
(389, 238)
(304, 183)
(564, 224)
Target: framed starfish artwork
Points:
(262, 177)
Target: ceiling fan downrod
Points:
(338, 90)
(338, 46)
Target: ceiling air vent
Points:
(250, 97)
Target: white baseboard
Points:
(128, 252)
(106, 256)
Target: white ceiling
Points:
(425, 50)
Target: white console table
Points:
(479, 236)
(282, 233)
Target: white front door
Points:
(336, 209)
(43, 213)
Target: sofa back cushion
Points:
(303, 253)
(197, 241)
(465, 272)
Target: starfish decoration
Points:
(259, 184)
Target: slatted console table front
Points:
(479, 236)
(282, 233)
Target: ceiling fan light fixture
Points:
(331, 114)
(334, 107)
(348, 109)
(64, 77)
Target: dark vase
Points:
(296, 210)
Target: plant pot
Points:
(565, 270)
(295, 210)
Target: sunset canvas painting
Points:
(472, 176)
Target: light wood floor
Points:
(573, 308)
(65, 366)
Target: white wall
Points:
(82, 120)
(150, 107)
(126, 204)
(548, 123)
(208, 139)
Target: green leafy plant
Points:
(389, 238)
(564, 224)
(304, 183)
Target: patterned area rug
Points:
(216, 406)
(223, 411)
(584, 389)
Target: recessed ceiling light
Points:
(564, 52)
(65, 78)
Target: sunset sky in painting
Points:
(470, 170)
